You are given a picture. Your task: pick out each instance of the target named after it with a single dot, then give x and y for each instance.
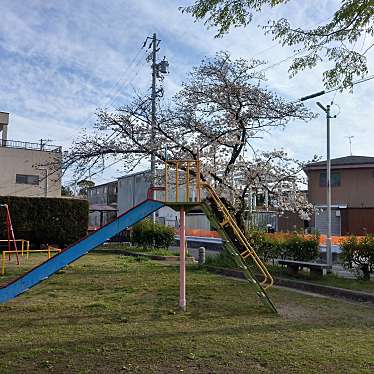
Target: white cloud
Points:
(59, 61)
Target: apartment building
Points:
(103, 203)
(28, 169)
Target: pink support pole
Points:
(182, 260)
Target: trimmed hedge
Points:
(43, 220)
(358, 253)
(288, 246)
(149, 234)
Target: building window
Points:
(335, 179)
(27, 179)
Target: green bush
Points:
(266, 246)
(359, 253)
(286, 246)
(43, 220)
(300, 248)
(223, 259)
(149, 234)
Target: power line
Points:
(129, 78)
(280, 62)
(324, 92)
(117, 87)
(128, 66)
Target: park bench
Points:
(294, 266)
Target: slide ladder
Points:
(78, 249)
(238, 245)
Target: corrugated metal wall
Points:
(357, 221)
(262, 219)
(321, 221)
(133, 189)
(197, 221)
(290, 221)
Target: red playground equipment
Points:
(10, 233)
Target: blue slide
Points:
(77, 250)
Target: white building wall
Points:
(15, 161)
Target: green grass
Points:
(111, 314)
(147, 250)
(223, 259)
(154, 251)
(13, 270)
(327, 280)
(336, 281)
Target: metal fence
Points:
(261, 219)
(31, 146)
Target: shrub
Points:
(43, 220)
(149, 234)
(223, 259)
(300, 248)
(291, 246)
(266, 246)
(359, 253)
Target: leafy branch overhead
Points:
(344, 40)
(221, 108)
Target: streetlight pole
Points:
(153, 98)
(328, 185)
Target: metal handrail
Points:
(191, 169)
(249, 251)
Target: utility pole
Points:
(328, 184)
(157, 70)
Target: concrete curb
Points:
(124, 252)
(342, 293)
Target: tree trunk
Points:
(365, 272)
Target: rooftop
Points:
(135, 173)
(42, 146)
(102, 185)
(347, 161)
(102, 208)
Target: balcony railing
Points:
(42, 146)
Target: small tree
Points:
(66, 191)
(84, 185)
(359, 252)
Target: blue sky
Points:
(60, 60)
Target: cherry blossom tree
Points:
(219, 111)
